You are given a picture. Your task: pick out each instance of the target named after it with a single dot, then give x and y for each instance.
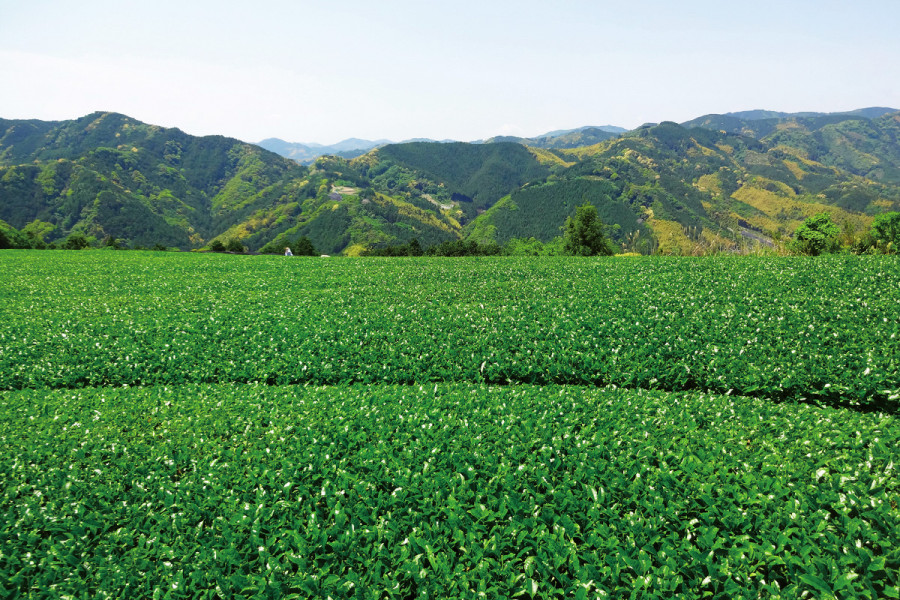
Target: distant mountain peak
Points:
(872, 112)
(606, 128)
(307, 152)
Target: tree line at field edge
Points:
(584, 234)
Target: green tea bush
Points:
(822, 330)
(152, 447)
(442, 490)
(76, 241)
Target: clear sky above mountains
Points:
(324, 71)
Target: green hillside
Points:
(691, 190)
(10, 237)
(864, 142)
(866, 147)
(755, 128)
(468, 176)
(107, 175)
(586, 136)
(539, 211)
(721, 182)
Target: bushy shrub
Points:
(817, 235)
(76, 241)
(235, 245)
(304, 247)
(886, 232)
(413, 248)
(463, 248)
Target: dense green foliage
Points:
(301, 246)
(886, 231)
(464, 248)
(541, 210)
(863, 142)
(235, 246)
(817, 235)
(471, 247)
(479, 173)
(585, 233)
(110, 176)
(824, 329)
(169, 462)
(10, 237)
(304, 247)
(413, 248)
(696, 180)
(75, 241)
(106, 174)
(449, 490)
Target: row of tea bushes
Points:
(824, 329)
(444, 490)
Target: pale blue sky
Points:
(328, 70)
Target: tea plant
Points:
(825, 330)
(448, 490)
(153, 445)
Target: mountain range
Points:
(307, 153)
(717, 181)
(353, 147)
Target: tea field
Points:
(214, 426)
(826, 330)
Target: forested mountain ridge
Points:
(660, 188)
(667, 187)
(109, 175)
(574, 138)
(868, 146)
(466, 178)
(354, 147)
(308, 153)
(727, 183)
(872, 112)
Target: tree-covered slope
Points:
(21, 139)
(109, 175)
(866, 147)
(576, 138)
(10, 237)
(540, 210)
(690, 189)
(666, 188)
(865, 142)
(474, 175)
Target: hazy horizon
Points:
(321, 73)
